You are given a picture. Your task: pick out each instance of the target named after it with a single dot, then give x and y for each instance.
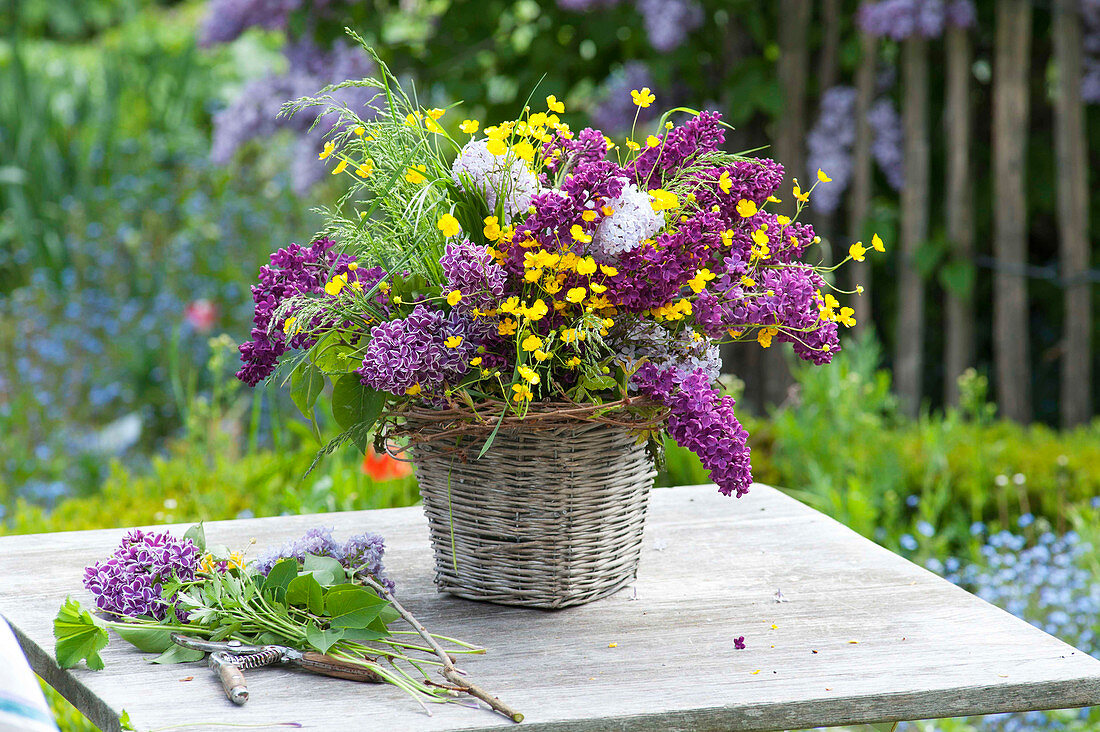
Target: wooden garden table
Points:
(839, 631)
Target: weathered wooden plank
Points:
(710, 571)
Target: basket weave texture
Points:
(548, 518)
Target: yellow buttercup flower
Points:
(329, 147)
(475, 361)
(454, 297)
(586, 266)
(413, 390)
(663, 200)
(699, 282)
(340, 167)
(725, 183)
(578, 234)
(449, 225)
(522, 393)
(876, 243)
(597, 288)
(511, 305)
(524, 151)
(531, 343)
(798, 194)
(822, 177)
(412, 119)
(492, 228)
(608, 270)
(359, 130)
(783, 220)
(365, 169)
(652, 141)
(573, 362)
(590, 215)
(746, 208)
(496, 147)
(336, 284)
(469, 126)
(453, 342)
(537, 311)
(857, 251)
(289, 324)
(760, 236)
(506, 327)
(845, 318)
(764, 336)
(415, 175)
(436, 113)
(541, 355)
(554, 105)
(632, 146)
(576, 294)
(569, 335)
(642, 97)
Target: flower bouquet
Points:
(525, 306)
(331, 602)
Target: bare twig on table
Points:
(449, 670)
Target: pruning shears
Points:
(229, 658)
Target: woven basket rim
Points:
(423, 424)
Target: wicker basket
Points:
(547, 518)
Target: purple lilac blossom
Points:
(257, 111)
(130, 581)
(829, 146)
(471, 269)
(679, 147)
(887, 138)
(361, 550)
(412, 351)
(615, 112)
(1090, 80)
(294, 270)
(668, 22)
(702, 420)
(900, 19)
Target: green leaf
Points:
(279, 577)
(305, 591)
(333, 355)
(327, 570)
(179, 654)
(369, 633)
(306, 384)
(356, 405)
(958, 278)
(322, 640)
(224, 632)
(197, 535)
(150, 640)
(79, 635)
(352, 606)
(124, 721)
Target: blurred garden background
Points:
(145, 176)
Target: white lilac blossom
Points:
(631, 222)
(496, 176)
(680, 350)
(829, 146)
